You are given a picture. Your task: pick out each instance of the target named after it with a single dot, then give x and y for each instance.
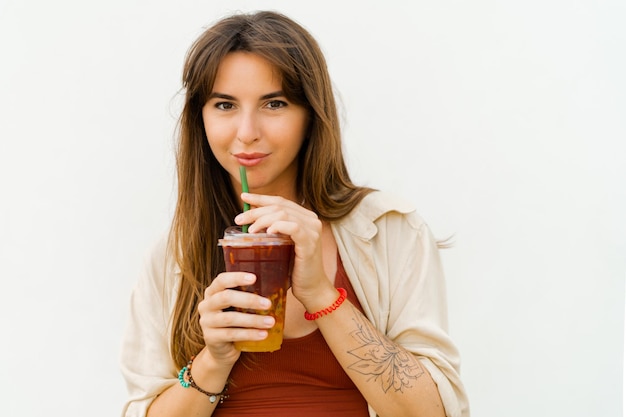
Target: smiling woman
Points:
(365, 323)
(249, 121)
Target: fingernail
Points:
(266, 303)
(249, 278)
(268, 320)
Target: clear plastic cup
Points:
(270, 258)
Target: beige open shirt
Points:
(393, 264)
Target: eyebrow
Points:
(274, 94)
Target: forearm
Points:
(188, 402)
(391, 379)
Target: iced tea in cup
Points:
(270, 258)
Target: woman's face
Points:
(249, 121)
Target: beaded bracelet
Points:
(186, 372)
(314, 316)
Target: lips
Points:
(250, 159)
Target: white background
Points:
(504, 122)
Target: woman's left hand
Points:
(273, 214)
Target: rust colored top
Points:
(301, 379)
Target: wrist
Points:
(186, 380)
(343, 294)
(323, 297)
(208, 373)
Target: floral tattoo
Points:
(382, 359)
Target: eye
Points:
(276, 104)
(224, 105)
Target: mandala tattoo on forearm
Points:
(382, 359)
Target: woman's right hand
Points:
(221, 325)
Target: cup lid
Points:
(233, 236)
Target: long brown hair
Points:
(207, 202)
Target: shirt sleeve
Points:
(146, 363)
(418, 311)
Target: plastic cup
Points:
(270, 258)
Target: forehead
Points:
(245, 69)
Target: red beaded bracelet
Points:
(314, 316)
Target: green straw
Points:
(244, 188)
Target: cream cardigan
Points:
(393, 264)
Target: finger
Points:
(233, 298)
(267, 219)
(298, 231)
(244, 320)
(261, 200)
(233, 334)
(226, 280)
(262, 222)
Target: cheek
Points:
(214, 127)
(298, 128)
(217, 135)
(305, 124)
(219, 148)
(303, 132)
(218, 142)
(289, 140)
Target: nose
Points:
(248, 128)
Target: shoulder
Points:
(379, 209)
(379, 203)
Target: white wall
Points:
(503, 121)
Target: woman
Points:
(258, 94)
